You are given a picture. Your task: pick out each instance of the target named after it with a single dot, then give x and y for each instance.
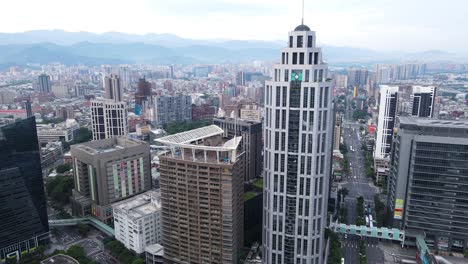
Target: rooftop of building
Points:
(108, 145)
(155, 249)
(205, 143)
(140, 205)
(429, 122)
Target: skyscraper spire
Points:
(302, 21)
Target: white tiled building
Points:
(137, 221)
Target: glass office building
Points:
(24, 223)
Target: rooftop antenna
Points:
(302, 22)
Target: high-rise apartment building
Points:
(44, 84)
(428, 188)
(251, 133)
(338, 130)
(357, 76)
(108, 119)
(113, 88)
(240, 78)
(388, 104)
(23, 213)
(201, 194)
(298, 138)
(137, 221)
(169, 109)
(423, 101)
(387, 113)
(143, 92)
(107, 171)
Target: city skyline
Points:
(384, 26)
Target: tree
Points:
(59, 190)
(359, 114)
(83, 229)
(63, 168)
(138, 261)
(83, 135)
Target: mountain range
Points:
(48, 46)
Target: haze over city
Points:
(383, 25)
(233, 131)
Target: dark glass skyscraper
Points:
(23, 214)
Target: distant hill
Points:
(43, 46)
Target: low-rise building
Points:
(154, 254)
(64, 132)
(137, 221)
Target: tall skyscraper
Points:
(113, 88)
(23, 213)
(201, 194)
(108, 171)
(44, 84)
(357, 77)
(386, 123)
(388, 105)
(28, 107)
(240, 78)
(169, 109)
(251, 133)
(298, 138)
(423, 101)
(108, 119)
(143, 92)
(427, 188)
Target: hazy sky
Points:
(410, 25)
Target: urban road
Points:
(358, 185)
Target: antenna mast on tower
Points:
(302, 22)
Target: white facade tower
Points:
(108, 119)
(387, 114)
(298, 140)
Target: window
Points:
(283, 121)
(301, 186)
(307, 207)
(302, 164)
(312, 97)
(322, 164)
(325, 97)
(309, 41)
(306, 227)
(324, 136)
(320, 121)
(307, 75)
(282, 162)
(301, 58)
(286, 75)
(275, 203)
(320, 75)
(324, 125)
(310, 144)
(278, 96)
(281, 183)
(315, 75)
(294, 61)
(275, 182)
(310, 58)
(304, 249)
(287, 57)
(283, 141)
(311, 120)
(321, 186)
(281, 204)
(290, 41)
(276, 140)
(304, 121)
(285, 96)
(309, 169)
(316, 58)
(321, 97)
(299, 41)
(277, 118)
(306, 92)
(283, 58)
(276, 161)
(303, 147)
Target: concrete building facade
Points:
(113, 88)
(252, 144)
(108, 119)
(107, 171)
(201, 192)
(137, 221)
(428, 188)
(169, 109)
(298, 150)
